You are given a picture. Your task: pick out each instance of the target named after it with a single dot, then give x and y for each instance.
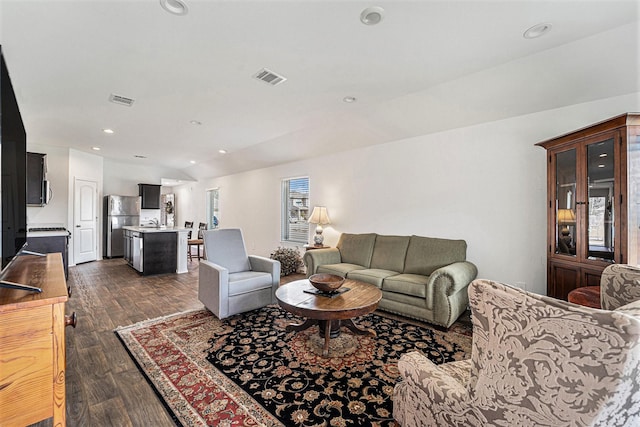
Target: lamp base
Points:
(318, 238)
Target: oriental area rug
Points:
(247, 370)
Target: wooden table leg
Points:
(349, 324)
(327, 337)
(301, 326)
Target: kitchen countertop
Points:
(155, 229)
(48, 233)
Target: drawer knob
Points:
(71, 320)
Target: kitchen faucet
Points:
(155, 222)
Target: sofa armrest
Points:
(418, 371)
(317, 257)
(447, 290)
(266, 265)
(455, 277)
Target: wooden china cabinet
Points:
(593, 206)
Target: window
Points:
(213, 211)
(295, 210)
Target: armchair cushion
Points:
(228, 249)
(247, 281)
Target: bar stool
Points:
(198, 243)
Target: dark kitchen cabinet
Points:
(159, 253)
(52, 244)
(36, 184)
(150, 194)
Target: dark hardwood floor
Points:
(104, 387)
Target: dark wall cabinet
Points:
(36, 184)
(150, 194)
(593, 206)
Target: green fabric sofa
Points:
(420, 277)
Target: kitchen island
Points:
(156, 250)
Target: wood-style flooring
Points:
(104, 387)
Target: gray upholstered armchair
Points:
(232, 282)
(535, 361)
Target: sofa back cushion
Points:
(356, 248)
(389, 252)
(426, 254)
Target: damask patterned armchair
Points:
(535, 361)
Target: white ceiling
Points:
(428, 66)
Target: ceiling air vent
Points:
(122, 100)
(269, 77)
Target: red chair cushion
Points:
(588, 296)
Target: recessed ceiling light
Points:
(537, 31)
(193, 162)
(372, 15)
(138, 156)
(195, 122)
(109, 131)
(222, 151)
(349, 99)
(176, 7)
(95, 148)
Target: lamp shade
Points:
(319, 216)
(566, 217)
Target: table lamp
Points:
(566, 217)
(319, 216)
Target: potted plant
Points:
(290, 260)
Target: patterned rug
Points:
(248, 371)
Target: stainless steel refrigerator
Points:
(119, 211)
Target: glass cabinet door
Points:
(566, 203)
(600, 227)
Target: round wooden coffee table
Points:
(329, 312)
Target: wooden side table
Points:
(312, 247)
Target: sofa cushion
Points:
(410, 284)
(356, 248)
(371, 275)
(389, 253)
(426, 254)
(339, 269)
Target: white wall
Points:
(123, 178)
(485, 184)
(56, 211)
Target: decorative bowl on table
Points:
(326, 282)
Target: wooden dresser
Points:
(32, 343)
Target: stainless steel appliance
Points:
(137, 260)
(119, 211)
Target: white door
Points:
(85, 236)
